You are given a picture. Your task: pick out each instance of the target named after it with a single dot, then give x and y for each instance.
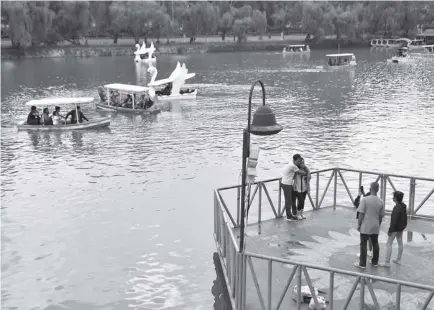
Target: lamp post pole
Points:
(246, 153)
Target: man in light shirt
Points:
(287, 184)
(371, 213)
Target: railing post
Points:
(335, 171)
(299, 287)
(270, 280)
(279, 201)
(412, 195)
(362, 294)
(238, 205)
(360, 180)
(331, 289)
(317, 190)
(260, 202)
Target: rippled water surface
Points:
(124, 217)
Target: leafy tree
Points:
(20, 23)
(226, 23)
(118, 19)
(259, 23)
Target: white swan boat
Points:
(401, 57)
(91, 124)
(341, 60)
(147, 103)
(174, 84)
(298, 48)
(141, 52)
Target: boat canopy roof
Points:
(297, 45)
(59, 101)
(403, 48)
(127, 87)
(340, 55)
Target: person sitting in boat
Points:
(114, 98)
(102, 94)
(148, 102)
(330, 62)
(46, 118)
(56, 117)
(33, 118)
(128, 102)
(74, 113)
(166, 91)
(339, 61)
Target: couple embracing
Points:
(295, 185)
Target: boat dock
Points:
(320, 250)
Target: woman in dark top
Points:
(33, 118)
(46, 119)
(398, 222)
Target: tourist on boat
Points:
(301, 188)
(73, 114)
(56, 117)
(356, 204)
(330, 62)
(33, 118)
(128, 102)
(46, 118)
(114, 98)
(398, 222)
(371, 213)
(102, 94)
(166, 91)
(287, 185)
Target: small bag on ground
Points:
(321, 303)
(306, 296)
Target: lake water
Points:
(124, 217)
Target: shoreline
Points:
(172, 48)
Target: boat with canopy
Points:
(401, 56)
(91, 124)
(137, 99)
(341, 60)
(297, 48)
(172, 87)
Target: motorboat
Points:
(126, 98)
(298, 48)
(401, 56)
(416, 45)
(341, 60)
(173, 85)
(142, 51)
(91, 124)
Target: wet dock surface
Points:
(328, 237)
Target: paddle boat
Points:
(341, 60)
(147, 103)
(142, 51)
(299, 48)
(173, 84)
(91, 124)
(401, 56)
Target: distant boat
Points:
(402, 56)
(341, 60)
(297, 48)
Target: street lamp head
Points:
(264, 122)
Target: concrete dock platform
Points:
(328, 238)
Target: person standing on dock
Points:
(398, 222)
(287, 185)
(371, 213)
(301, 188)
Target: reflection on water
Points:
(122, 217)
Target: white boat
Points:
(91, 124)
(298, 48)
(401, 56)
(389, 43)
(174, 84)
(142, 51)
(148, 104)
(429, 49)
(416, 44)
(341, 60)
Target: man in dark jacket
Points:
(74, 113)
(398, 222)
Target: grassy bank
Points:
(125, 46)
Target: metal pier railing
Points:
(236, 264)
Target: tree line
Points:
(33, 23)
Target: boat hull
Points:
(351, 64)
(397, 60)
(101, 123)
(188, 96)
(110, 108)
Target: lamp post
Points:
(263, 124)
